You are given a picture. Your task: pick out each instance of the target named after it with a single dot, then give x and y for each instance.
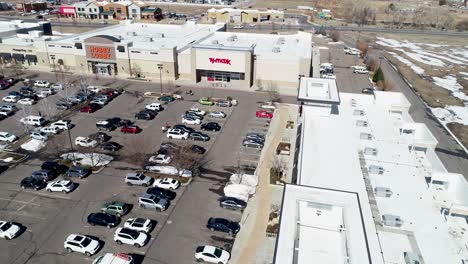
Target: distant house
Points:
(116, 10)
(152, 13)
(90, 10)
(30, 6)
(135, 9)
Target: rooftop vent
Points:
(281, 41)
(276, 50)
(358, 112)
(232, 38)
(370, 151)
(215, 41)
(353, 102)
(131, 33)
(362, 123)
(392, 220)
(366, 136)
(376, 169)
(383, 192)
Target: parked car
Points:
(75, 99)
(217, 114)
(190, 120)
(111, 146)
(139, 224)
(255, 136)
(211, 126)
(205, 101)
(138, 179)
(39, 135)
(56, 86)
(192, 115)
(369, 90)
(232, 203)
(11, 99)
(42, 94)
(184, 128)
(150, 201)
(15, 93)
(7, 137)
(25, 90)
(361, 71)
(61, 105)
(223, 225)
(163, 193)
(115, 208)
(197, 111)
(328, 76)
(105, 125)
(154, 107)
(197, 149)
(167, 99)
(85, 142)
(82, 244)
(6, 112)
(9, 230)
(45, 175)
(8, 107)
(49, 91)
(114, 258)
(118, 122)
(91, 108)
(160, 159)
(224, 103)
(252, 143)
(26, 101)
(62, 124)
(33, 183)
(177, 134)
(100, 137)
(41, 83)
(169, 170)
(145, 115)
(102, 97)
(100, 102)
(64, 186)
(53, 130)
(212, 254)
(103, 219)
(130, 237)
(167, 183)
(77, 171)
(33, 120)
(55, 166)
(264, 114)
(130, 129)
(199, 136)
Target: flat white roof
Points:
(265, 46)
(366, 144)
(151, 36)
(319, 90)
(13, 25)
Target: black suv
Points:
(184, 128)
(223, 225)
(33, 183)
(54, 166)
(105, 125)
(27, 90)
(161, 193)
(100, 137)
(145, 115)
(119, 122)
(212, 126)
(103, 219)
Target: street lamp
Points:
(53, 65)
(160, 67)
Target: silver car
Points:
(151, 201)
(138, 179)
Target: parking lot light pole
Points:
(160, 67)
(71, 146)
(53, 67)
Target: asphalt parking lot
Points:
(49, 218)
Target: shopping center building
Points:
(196, 53)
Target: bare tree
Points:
(362, 46)
(137, 151)
(24, 111)
(372, 63)
(47, 107)
(136, 71)
(185, 159)
(334, 35)
(388, 85)
(273, 92)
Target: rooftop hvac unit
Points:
(362, 123)
(232, 38)
(353, 102)
(370, 151)
(131, 33)
(392, 220)
(366, 136)
(375, 169)
(276, 50)
(215, 42)
(358, 112)
(383, 192)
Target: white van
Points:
(169, 170)
(114, 258)
(33, 120)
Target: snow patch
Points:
(408, 63)
(450, 83)
(334, 43)
(238, 191)
(88, 159)
(33, 145)
(452, 114)
(323, 48)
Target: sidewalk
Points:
(255, 218)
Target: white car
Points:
(167, 183)
(39, 135)
(42, 94)
(139, 224)
(9, 230)
(361, 71)
(11, 98)
(96, 89)
(64, 186)
(268, 105)
(355, 67)
(62, 124)
(190, 121)
(197, 111)
(328, 76)
(177, 134)
(49, 91)
(50, 130)
(7, 137)
(82, 244)
(26, 101)
(99, 101)
(160, 159)
(41, 83)
(85, 142)
(212, 254)
(154, 107)
(238, 27)
(130, 237)
(57, 86)
(217, 114)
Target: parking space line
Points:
(21, 202)
(49, 195)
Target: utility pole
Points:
(53, 65)
(160, 67)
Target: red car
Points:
(88, 109)
(264, 114)
(130, 129)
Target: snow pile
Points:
(238, 191)
(334, 43)
(33, 145)
(450, 83)
(449, 114)
(245, 179)
(88, 159)
(408, 63)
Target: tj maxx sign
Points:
(219, 60)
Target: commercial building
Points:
(195, 53)
(232, 15)
(369, 185)
(27, 7)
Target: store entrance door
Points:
(102, 68)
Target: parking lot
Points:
(49, 218)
